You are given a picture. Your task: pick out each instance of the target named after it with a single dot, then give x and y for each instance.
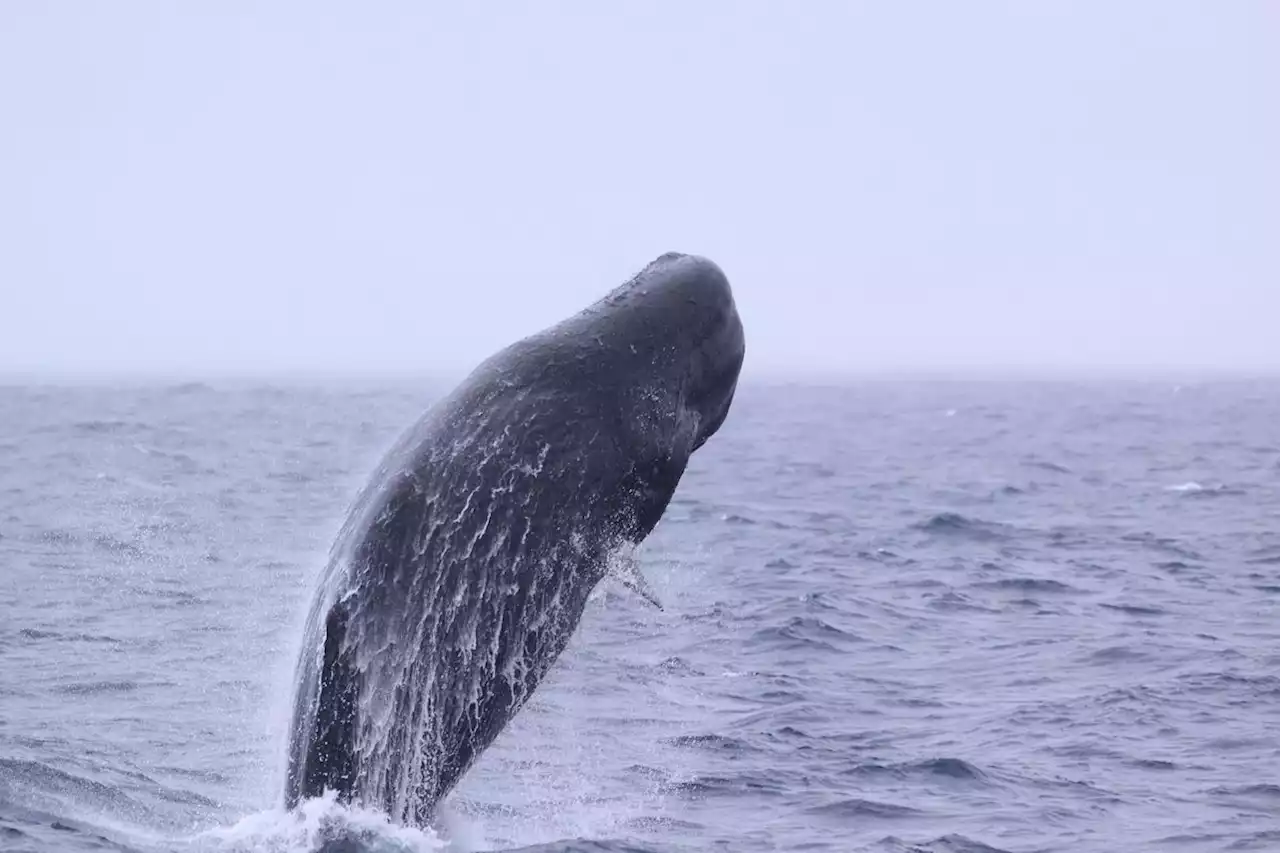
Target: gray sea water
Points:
(899, 617)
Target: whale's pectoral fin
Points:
(627, 570)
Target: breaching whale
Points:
(464, 565)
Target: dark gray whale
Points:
(465, 564)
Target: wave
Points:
(676, 665)
(1027, 585)
(944, 844)
(1225, 683)
(962, 527)
(93, 688)
(1135, 609)
(38, 634)
(714, 742)
(1164, 544)
(587, 845)
(1193, 489)
(92, 806)
(23, 829)
(1264, 789)
(955, 601)
(775, 782)
(1117, 654)
(114, 545)
(744, 520)
(857, 808)
(1174, 566)
(105, 426)
(805, 632)
(45, 784)
(950, 768)
(1045, 465)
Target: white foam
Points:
(313, 825)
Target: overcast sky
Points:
(237, 187)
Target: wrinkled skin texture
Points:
(465, 564)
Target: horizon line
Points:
(763, 376)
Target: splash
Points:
(321, 824)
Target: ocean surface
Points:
(955, 617)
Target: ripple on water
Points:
(947, 768)
(856, 808)
(805, 632)
(955, 525)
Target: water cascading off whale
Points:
(465, 564)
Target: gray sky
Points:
(238, 187)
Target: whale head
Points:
(671, 342)
(653, 365)
(686, 300)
